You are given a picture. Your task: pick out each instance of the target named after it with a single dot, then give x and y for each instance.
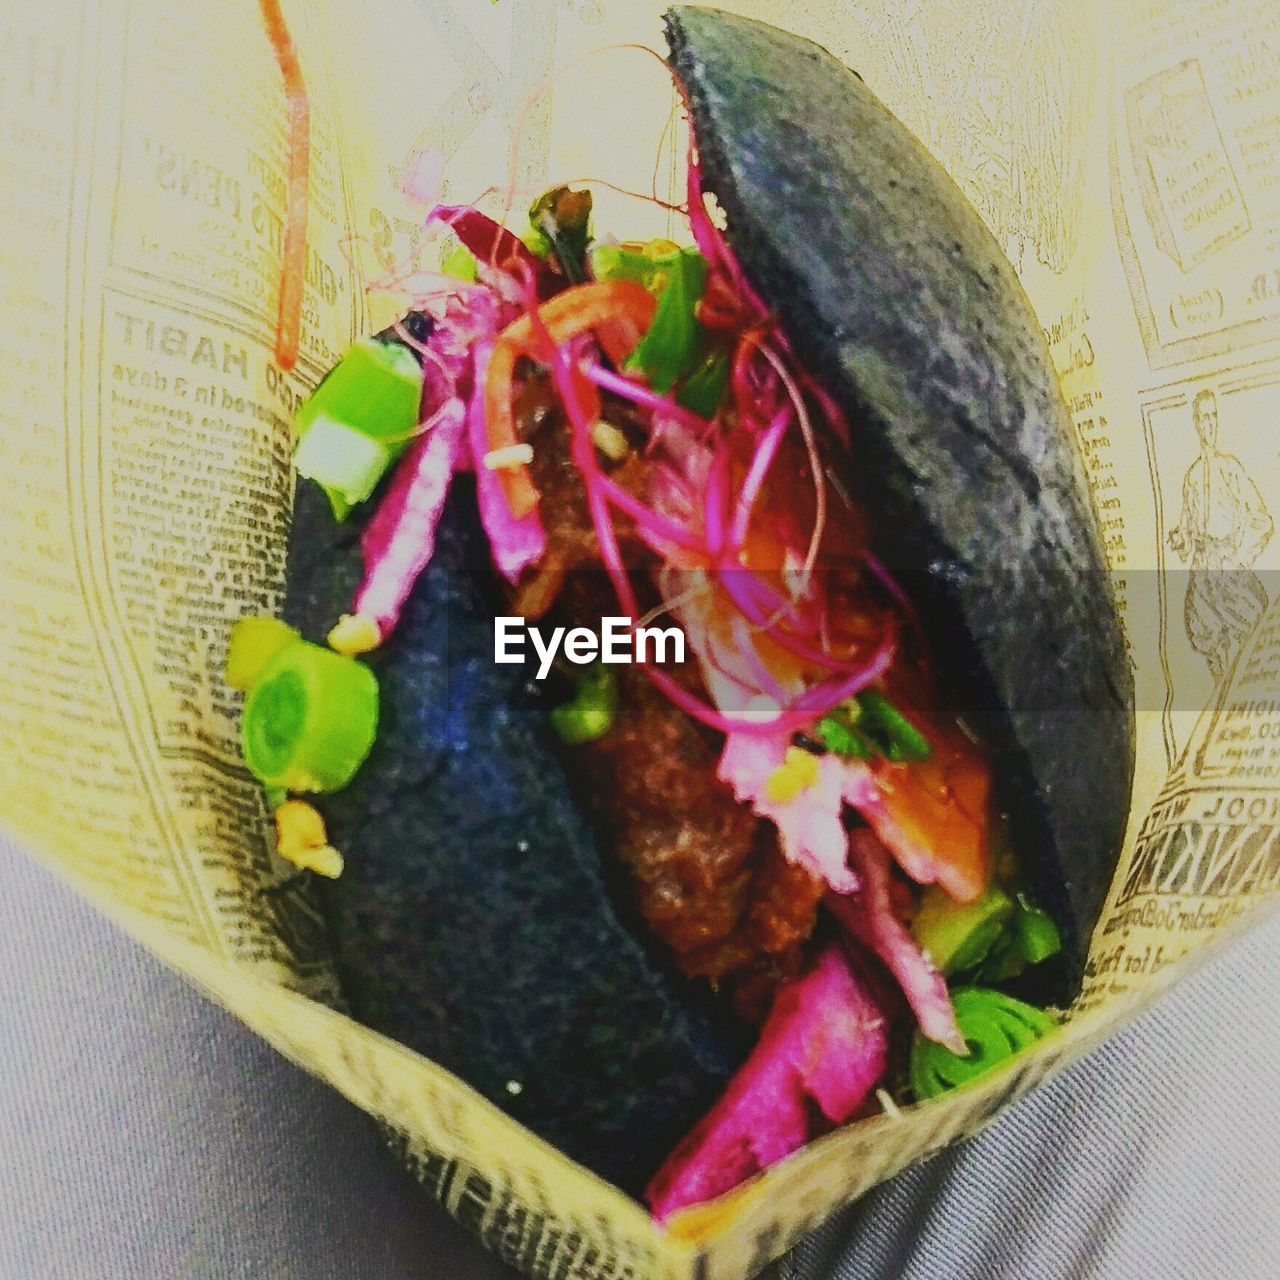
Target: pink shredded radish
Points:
(400, 537)
(810, 824)
(869, 917)
(825, 1042)
(754, 480)
(516, 542)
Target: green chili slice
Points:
(310, 719)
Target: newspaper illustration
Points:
(1189, 175)
(1192, 200)
(1015, 151)
(1128, 158)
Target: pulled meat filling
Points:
(706, 874)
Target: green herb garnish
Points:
(563, 218)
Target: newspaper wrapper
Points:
(1127, 157)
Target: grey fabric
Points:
(145, 1135)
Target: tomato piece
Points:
(619, 311)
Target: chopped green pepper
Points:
(958, 935)
(995, 1027)
(310, 719)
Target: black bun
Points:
(472, 921)
(893, 291)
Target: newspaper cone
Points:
(146, 438)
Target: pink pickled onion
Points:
(825, 1042)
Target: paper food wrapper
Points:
(1128, 159)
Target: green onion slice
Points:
(995, 1026)
(1038, 936)
(901, 740)
(958, 935)
(310, 719)
(867, 725)
(359, 420)
(344, 463)
(254, 642)
(1030, 937)
(590, 714)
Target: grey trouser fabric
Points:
(144, 1135)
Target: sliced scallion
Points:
(254, 642)
(310, 719)
(358, 420)
(590, 714)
